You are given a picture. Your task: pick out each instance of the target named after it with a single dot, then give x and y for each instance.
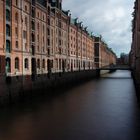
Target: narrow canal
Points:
(101, 109)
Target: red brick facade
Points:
(135, 50)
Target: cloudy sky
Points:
(110, 18)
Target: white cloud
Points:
(111, 18)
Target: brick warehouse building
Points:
(39, 40)
(39, 37)
(135, 50)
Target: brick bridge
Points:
(113, 68)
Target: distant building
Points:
(123, 60)
(104, 56)
(81, 47)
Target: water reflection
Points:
(101, 109)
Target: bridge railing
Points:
(116, 67)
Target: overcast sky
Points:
(110, 18)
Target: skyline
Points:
(114, 24)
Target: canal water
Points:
(101, 109)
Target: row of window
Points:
(8, 30)
(8, 27)
(26, 63)
(72, 64)
(8, 46)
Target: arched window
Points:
(49, 65)
(33, 12)
(17, 63)
(33, 37)
(33, 25)
(8, 15)
(48, 21)
(8, 2)
(26, 21)
(26, 63)
(25, 8)
(7, 30)
(16, 44)
(38, 64)
(33, 50)
(8, 46)
(16, 17)
(48, 10)
(43, 63)
(8, 65)
(48, 30)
